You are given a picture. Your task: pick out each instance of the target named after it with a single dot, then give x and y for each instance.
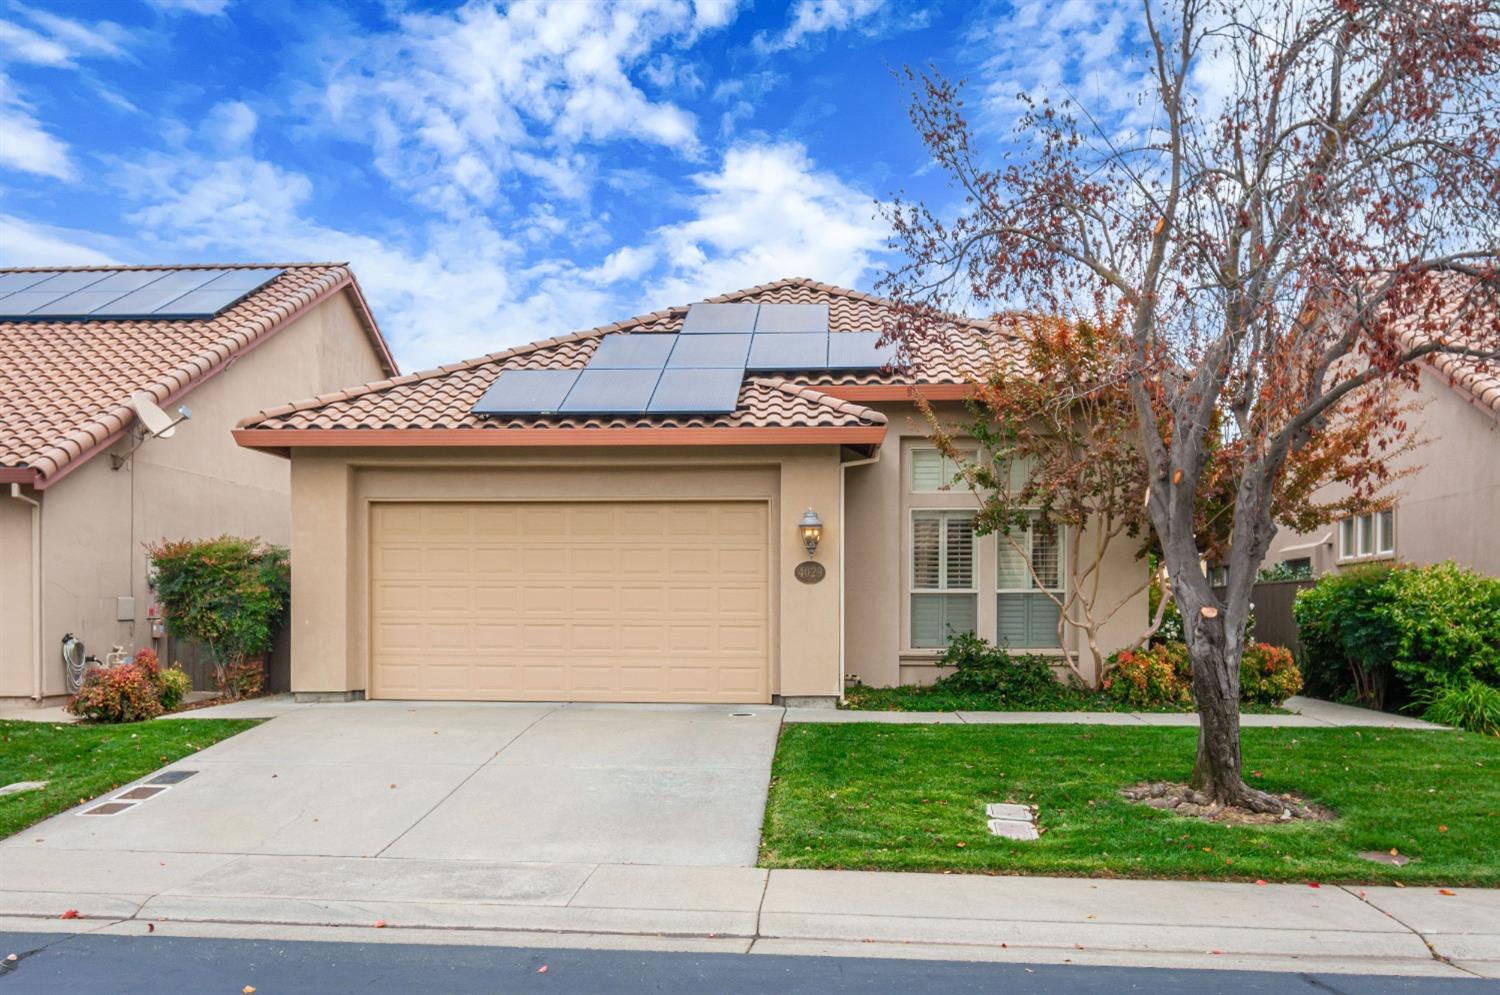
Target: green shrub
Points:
(1162, 676)
(228, 593)
(242, 680)
(172, 687)
(984, 668)
(126, 693)
(1473, 705)
(1382, 634)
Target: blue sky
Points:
(498, 173)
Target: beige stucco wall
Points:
(1448, 508)
(333, 490)
(197, 483)
(879, 506)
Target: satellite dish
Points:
(156, 421)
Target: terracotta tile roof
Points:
(1473, 316)
(441, 399)
(64, 384)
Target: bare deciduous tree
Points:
(1279, 249)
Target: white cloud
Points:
(464, 107)
(767, 213)
(26, 243)
(207, 8)
(629, 263)
(230, 123)
(814, 17)
(52, 42)
(27, 146)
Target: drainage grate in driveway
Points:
(172, 777)
(141, 793)
(108, 808)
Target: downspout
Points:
(844, 531)
(36, 589)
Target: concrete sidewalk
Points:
(1411, 931)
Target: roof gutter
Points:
(282, 439)
(897, 392)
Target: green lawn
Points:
(911, 797)
(931, 698)
(84, 761)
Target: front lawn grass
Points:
(935, 698)
(911, 798)
(81, 762)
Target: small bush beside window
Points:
(1025, 681)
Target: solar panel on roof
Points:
(792, 318)
(710, 351)
(12, 282)
(132, 294)
(611, 392)
(526, 392)
(632, 352)
(720, 318)
(790, 351)
(699, 392)
(858, 351)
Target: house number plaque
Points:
(809, 572)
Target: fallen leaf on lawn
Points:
(1394, 853)
(1442, 829)
(380, 924)
(70, 914)
(960, 843)
(1444, 891)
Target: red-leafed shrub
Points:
(1268, 675)
(117, 694)
(1162, 676)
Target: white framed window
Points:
(1030, 572)
(1363, 536)
(931, 471)
(944, 598)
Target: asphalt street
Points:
(53, 962)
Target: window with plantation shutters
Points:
(944, 599)
(1030, 572)
(931, 471)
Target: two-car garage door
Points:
(576, 601)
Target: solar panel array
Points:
(126, 295)
(697, 371)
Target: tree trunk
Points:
(1218, 771)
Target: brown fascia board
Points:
(897, 392)
(18, 475)
(282, 440)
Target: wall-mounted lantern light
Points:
(811, 528)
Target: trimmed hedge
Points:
(1386, 634)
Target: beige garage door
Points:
(628, 601)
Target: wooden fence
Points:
(1272, 600)
(195, 659)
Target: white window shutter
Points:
(926, 470)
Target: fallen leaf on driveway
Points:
(1260, 882)
(150, 927)
(542, 969)
(1444, 891)
(248, 990)
(1313, 884)
(70, 914)
(380, 924)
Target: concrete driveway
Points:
(583, 784)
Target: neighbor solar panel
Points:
(128, 294)
(792, 318)
(699, 392)
(611, 392)
(720, 318)
(526, 392)
(787, 352)
(858, 351)
(710, 351)
(632, 352)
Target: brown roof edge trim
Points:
(372, 327)
(897, 392)
(173, 383)
(342, 438)
(19, 475)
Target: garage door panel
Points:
(632, 601)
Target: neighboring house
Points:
(1446, 509)
(81, 485)
(646, 542)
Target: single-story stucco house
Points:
(83, 485)
(624, 514)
